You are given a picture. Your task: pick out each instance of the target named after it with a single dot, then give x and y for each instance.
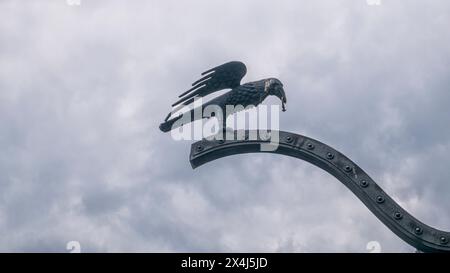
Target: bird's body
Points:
(225, 76)
(251, 93)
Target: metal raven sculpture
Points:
(225, 76)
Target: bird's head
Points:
(274, 87)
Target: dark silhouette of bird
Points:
(225, 76)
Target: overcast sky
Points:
(84, 88)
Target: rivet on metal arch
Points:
(419, 235)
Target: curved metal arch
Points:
(391, 214)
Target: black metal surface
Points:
(398, 220)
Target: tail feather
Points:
(169, 125)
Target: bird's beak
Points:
(282, 96)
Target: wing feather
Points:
(228, 75)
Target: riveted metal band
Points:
(403, 224)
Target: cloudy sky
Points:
(84, 87)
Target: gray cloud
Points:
(83, 89)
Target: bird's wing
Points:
(228, 75)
